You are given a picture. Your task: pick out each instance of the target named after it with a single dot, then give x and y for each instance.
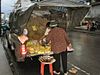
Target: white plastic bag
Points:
(70, 49)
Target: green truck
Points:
(32, 20)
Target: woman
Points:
(59, 43)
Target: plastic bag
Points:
(69, 49)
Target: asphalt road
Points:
(85, 58)
(4, 66)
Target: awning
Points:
(63, 3)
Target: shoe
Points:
(66, 73)
(56, 73)
(73, 70)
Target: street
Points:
(4, 67)
(85, 57)
(87, 53)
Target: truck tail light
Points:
(23, 50)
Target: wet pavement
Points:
(85, 58)
(4, 66)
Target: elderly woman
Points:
(59, 43)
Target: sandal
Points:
(56, 73)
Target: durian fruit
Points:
(31, 50)
(36, 48)
(29, 44)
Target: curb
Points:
(90, 32)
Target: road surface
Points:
(86, 56)
(4, 66)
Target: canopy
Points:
(64, 3)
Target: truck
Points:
(28, 24)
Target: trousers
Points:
(60, 57)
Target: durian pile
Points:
(36, 28)
(33, 47)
